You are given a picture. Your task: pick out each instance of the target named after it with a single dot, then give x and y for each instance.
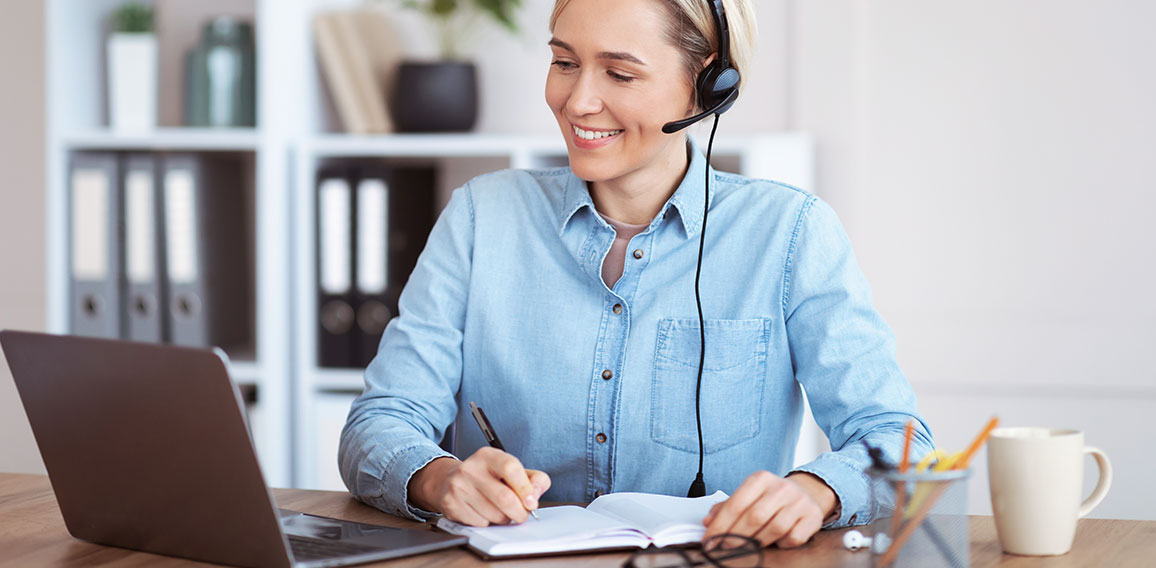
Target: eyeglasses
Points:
(719, 551)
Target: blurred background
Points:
(992, 162)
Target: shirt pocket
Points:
(733, 377)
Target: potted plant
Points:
(132, 69)
(442, 95)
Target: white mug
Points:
(1037, 476)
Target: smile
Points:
(594, 134)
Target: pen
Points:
(490, 434)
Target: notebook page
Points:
(665, 518)
(559, 529)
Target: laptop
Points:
(147, 448)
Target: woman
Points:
(562, 302)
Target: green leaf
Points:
(444, 8)
(501, 10)
(133, 18)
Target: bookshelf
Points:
(300, 407)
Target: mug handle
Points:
(1102, 486)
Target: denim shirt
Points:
(596, 386)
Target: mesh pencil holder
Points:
(920, 519)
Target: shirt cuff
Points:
(396, 478)
(850, 484)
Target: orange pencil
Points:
(977, 443)
(901, 486)
(907, 446)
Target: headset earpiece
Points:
(715, 86)
(718, 83)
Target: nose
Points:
(585, 98)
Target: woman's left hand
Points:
(773, 510)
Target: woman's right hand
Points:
(489, 488)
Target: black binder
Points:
(334, 260)
(392, 244)
(372, 224)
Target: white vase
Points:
(132, 81)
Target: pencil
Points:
(976, 444)
(907, 446)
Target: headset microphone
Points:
(675, 126)
(718, 88)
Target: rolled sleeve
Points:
(850, 484)
(844, 357)
(409, 400)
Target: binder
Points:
(413, 206)
(394, 215)
(371, 269)
(95, 255)
(143, 310)
(334, 256)
(206, 252)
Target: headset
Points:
(718, 88)
(718, 82)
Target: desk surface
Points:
(32, 533)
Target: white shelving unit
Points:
(300, 407)
(75, 40)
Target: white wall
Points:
(993, 163)
(21, 210)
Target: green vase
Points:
(221, 76)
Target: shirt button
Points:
(637, 253)
(601, 438)
(617, 308)
(607, 374)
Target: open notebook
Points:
(614, 521)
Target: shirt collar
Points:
(687, 200)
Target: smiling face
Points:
(613, 83)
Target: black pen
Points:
(490, 434)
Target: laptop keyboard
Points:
(305, 548)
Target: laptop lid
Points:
(146, 447)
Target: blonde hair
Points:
(691, 28)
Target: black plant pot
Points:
(435, 97)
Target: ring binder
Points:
(95, 225)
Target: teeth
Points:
(594, 134)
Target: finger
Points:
(778, 526)
(508, 469)
(730, 511)
(501, 497)
(710, 516)
(540, 480)
(767, 512)
(759, 510)
(465, 505)
(460, 512)
(802, 532)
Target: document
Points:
(614, 521)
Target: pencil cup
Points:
(920, 519)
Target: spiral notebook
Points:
(612, 522)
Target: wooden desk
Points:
(32, 533)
